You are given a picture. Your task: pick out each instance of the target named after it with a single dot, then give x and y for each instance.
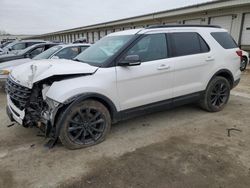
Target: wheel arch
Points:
(244, 56)
(226, 74)
(95, 96)
(60, 115)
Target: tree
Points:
(2, 32)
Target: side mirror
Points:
(130, 60)
(55, 57)
(9, 49)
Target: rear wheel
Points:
(86, 124)
(243, 64)
(216, 95)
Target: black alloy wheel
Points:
(86, 124)
(216, 95)
(219, 94)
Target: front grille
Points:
(19, 95)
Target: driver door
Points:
(152, 80)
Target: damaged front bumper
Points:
(17, 115)
(14, 113)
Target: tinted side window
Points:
(19, 46)
(68, 53)
(83, 48)
(149, 48)
(224, 39)
(36, 51)
(188, 43)
(32, 43)
(46, 47)
(204, 47)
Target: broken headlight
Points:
(4, 72)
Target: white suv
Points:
(123, 75)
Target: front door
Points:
(152, 80)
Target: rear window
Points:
(225, 40)
(188, 43)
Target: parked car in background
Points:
(1, 51)
(5, 44)
(29, 52)
(81, 40)
(123, 75)
(245, 60)
(15, 46)
(63, 51)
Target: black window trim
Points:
(173, 47)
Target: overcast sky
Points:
(42, 16)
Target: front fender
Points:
(66, 91)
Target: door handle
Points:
(163, 67)
(209, 58)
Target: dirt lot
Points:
(183, 147)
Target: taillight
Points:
(239, 53)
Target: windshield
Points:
(46, 54)
(102, 50)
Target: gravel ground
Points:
(183, 147)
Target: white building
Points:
(7, 37)
(233, 15)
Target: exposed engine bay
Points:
(33, 102)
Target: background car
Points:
(81, 40)
(20, 45)
(63, 51)
(5, 44)
(29, 52)
(1, 51)
(245, 60)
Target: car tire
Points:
(216, 95)
(243, 64)
(85, 124)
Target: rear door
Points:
(192, 58)
(152, 80)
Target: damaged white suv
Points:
(123, 75)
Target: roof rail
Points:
(180, 25)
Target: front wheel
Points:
(86, 124)
(216, 95)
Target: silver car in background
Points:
(63, 51)
(17, 45)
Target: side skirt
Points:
(158, 106)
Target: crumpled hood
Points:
(34, 71)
